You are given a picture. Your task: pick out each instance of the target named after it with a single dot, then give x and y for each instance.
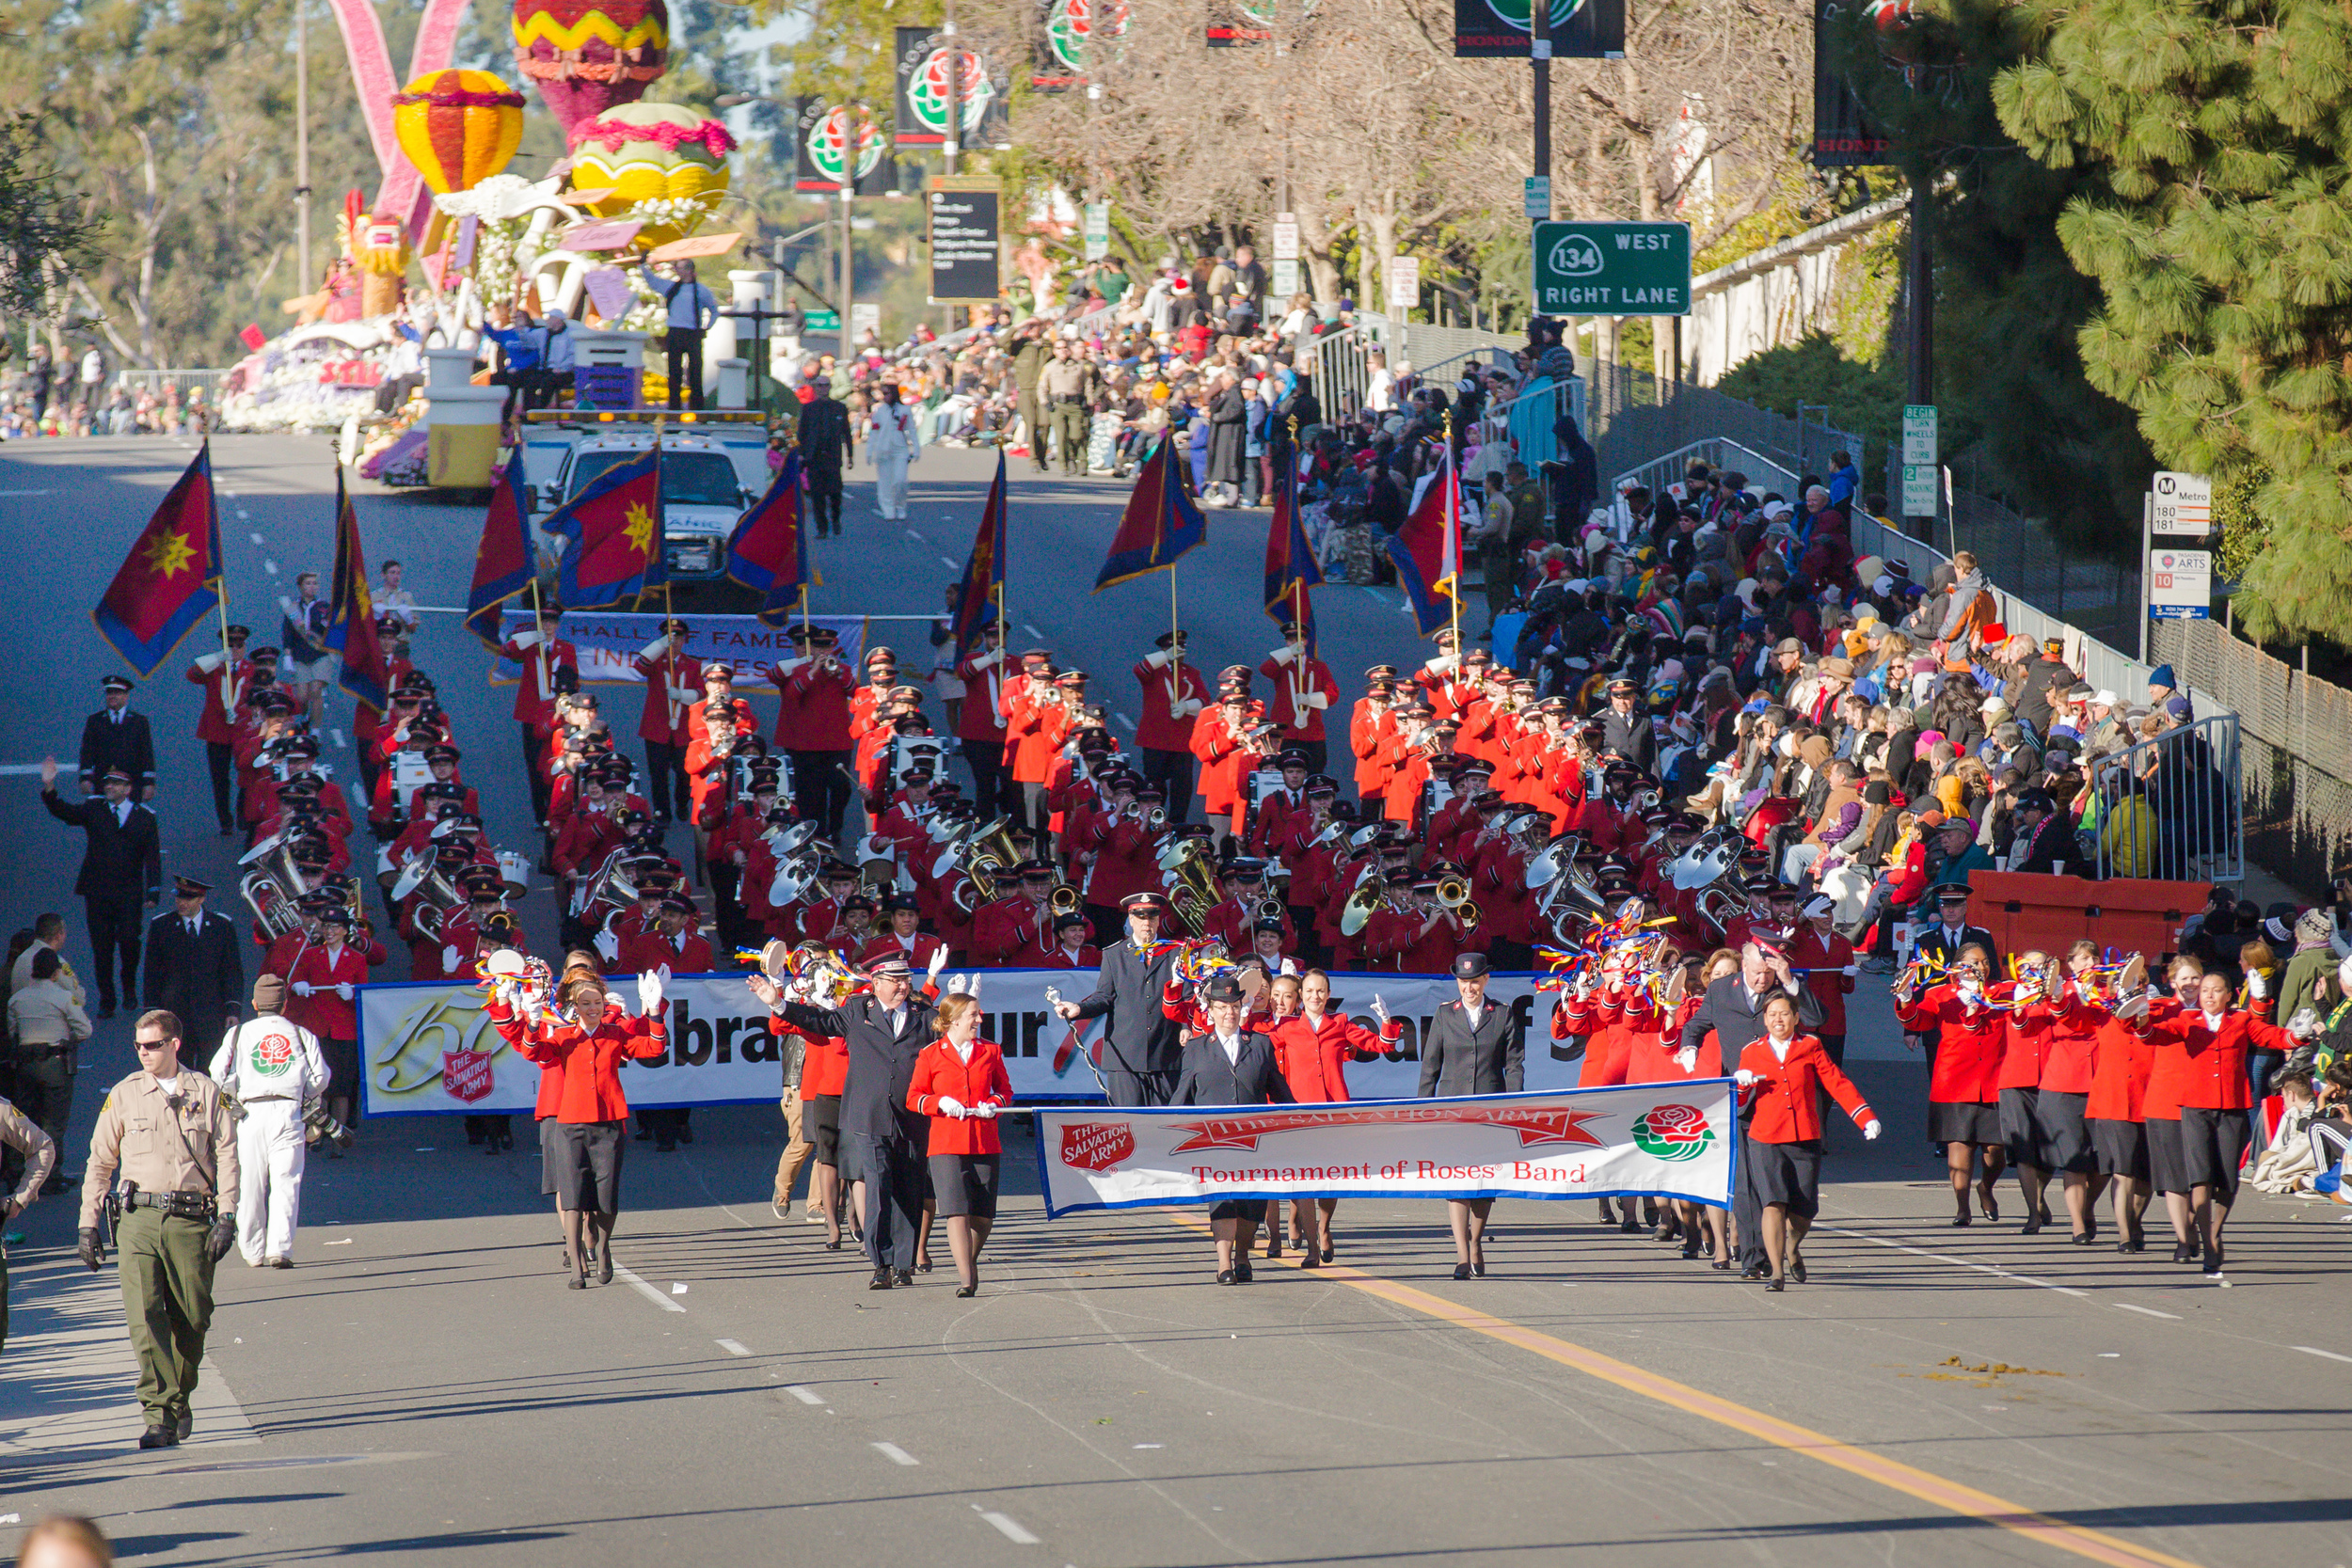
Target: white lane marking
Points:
(270, 566)
(896, 1454)
(807, 1396)
(944, 560)
(646, 1291)
(912, 535)
(2150, 1312)
(1009, 1528)
(1124, 719)
(258, 540)
(27, 492)
(339, 741)
(2326, 1354)
(1955, 1262)
(1032, 631)
(242, 515)
(734, 1347)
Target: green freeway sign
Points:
(1613, 269)
(820, 320)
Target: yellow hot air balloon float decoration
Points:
(653, 152)
(459, 127)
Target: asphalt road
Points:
(423, 1387)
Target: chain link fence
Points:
(2298, 749)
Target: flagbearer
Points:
(674, 683)
(544, 656)
(1304, 690)
(1173, 695)
(225, 677)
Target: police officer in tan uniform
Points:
(17, 1131)
(167, 1134)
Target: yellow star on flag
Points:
(640, 529)
(167, 554)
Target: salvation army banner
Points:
(428, 1050)
(609, 643)
(1674, 1140)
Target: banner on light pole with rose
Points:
(1669, 1140)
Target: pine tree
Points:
(2222, 246)
(2009, 304)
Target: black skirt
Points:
(2212, 1147)
(588, 1169)
(1963, 1122)
(1786, 1174)
(965, 1184)
(2165, 1169)
(2017, 1128)
(821, 1125)
(1250, 1209)
(550, 1156)
(2063, 1133)
(2120, 1147)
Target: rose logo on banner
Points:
(927, 91)
(466, 1075)
(1096, 1144)
(1672, 1132)
(844, 139)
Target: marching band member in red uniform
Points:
(1963, 1093)
(675, 944)
(715, 728)
(224, 676)
(960, 1082)
(1370, 730)
(902, 913)
(2121, 1062)
(323, 984)
(1780, 1078)
(544, 656)
(1303, 693)
(674, 683)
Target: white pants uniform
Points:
(275, 1068)
(890, 485)
(270, 1156)
(891, 443)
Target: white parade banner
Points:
(1671, 1140)
(429, 1050)
(608, 642)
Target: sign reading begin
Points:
(1613, 269)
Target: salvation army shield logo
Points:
(927, 91)
(1096, 1145)
(271, 1055)
(1674, 1133)
(466, 1075)
(842, 139)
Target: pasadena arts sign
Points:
(428, 1049)
(1673, 1140)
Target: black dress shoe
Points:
(158, 1437)
(604, 1268)
(106, 1009)
(833, 1245)
(967, 1290)
(2032, 1226)
(1630, 1226)
(180, 1428)
(2084, 1238)
(1774, 1285)
(1309, 1261)
(2184, 1253)
(1796, 1270)
(881, 1280)
(1225, 1277)
(1478, 1271)
(1461, 1270)
(1242, 1273)
(903, 1276)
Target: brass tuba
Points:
(273, 885)
(609, 885)
(1371, 896)
(422, 875)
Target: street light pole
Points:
(302, 146)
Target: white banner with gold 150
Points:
(1673, 1140)
(429, 1050)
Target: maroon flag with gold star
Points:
(171, 579)
(615, 526)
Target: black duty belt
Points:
(44, 1052)
(187, 1205)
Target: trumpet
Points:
(1453, 897)
(1156, 820)
(1266, 909)
(1063, 899)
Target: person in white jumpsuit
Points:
(275, 1069)
(893, 444)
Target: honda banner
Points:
(1673, 1140)
(427, 1049)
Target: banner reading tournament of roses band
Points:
(428, 1049)
(610, 642)
(1674, 1140)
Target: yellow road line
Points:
(1908, 1478)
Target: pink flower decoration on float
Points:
(714, 137)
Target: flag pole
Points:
(1454, 526)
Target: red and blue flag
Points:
(503, 566)
(614, 526)
(351, 612)
(983, 570)
(1290, 567)
(173, 577)
(768, 552)
(1162, 520)
(1428, 549)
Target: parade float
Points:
(453, 240)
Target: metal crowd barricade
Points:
(1342, 372)
(1718, 454)
(2170, 808)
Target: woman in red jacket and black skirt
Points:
(588, 1041)
(960, 1082)
(1780, 1078)
(1313, 1047)
(1963, 1090)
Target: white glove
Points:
(990, 659)
(1379, 1009)
(449, 956)
(950, 1106)
(1184, 709)
(2257, 984)
(655, 649)
(954, 985)
(1687, 1058)
(607, 945)
(1745, 1078)
(972, 987)
(2304, 1025)
(1315, 699)
(649, 988)
(1870, 1128)
(525, 640)
(211, 662)
(1284, 654)
(342, 988)
(2135, 1007)
(304, 987)
(939, 962)
(985, 1110)
(1157, 658)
